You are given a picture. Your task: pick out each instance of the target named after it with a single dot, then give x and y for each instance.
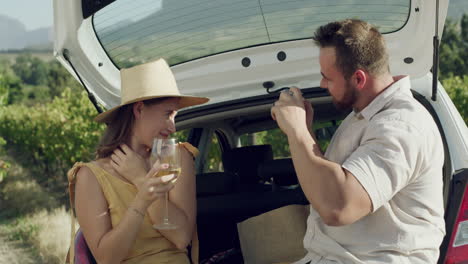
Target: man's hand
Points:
(292, 112)
(309, 113)
(129, 164)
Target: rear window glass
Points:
(213, 162)
(138, 31)
(274, 137)
(323, 130)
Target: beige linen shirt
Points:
(394, 149)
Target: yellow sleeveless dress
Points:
(150, 246)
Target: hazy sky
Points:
(33, 14)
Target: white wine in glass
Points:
(167, 152)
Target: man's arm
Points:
(334, 192)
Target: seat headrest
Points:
(281, 170)
(215, 183)
(245, 160)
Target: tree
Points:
(464, 28)
(454, 49)
(58, 78)
(10, 89)
(31, 70)
(454, 63)
(457, 89)
(4, 92)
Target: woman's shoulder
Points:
(189, 149)
(87, 184)
(85, 169)
(80, 170)
(73, 172)
(80, 177)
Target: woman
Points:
(116, 197)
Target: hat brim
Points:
(185, 101)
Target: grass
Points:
(31, 221)
(51, 234)
(21, 195)
(45, 233)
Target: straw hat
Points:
(148, 81)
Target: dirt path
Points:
(14, 252)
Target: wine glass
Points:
(166, 151)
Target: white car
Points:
(240, 54)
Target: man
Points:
(376, 194)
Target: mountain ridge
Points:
(13, 35)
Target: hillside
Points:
(13, 35)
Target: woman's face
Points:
(154, 120)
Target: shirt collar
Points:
(402, 83)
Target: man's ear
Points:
(137, 109)
(360, 79)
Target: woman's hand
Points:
(129, 164)
(151, 187)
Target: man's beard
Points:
(348, 100)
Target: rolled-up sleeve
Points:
(385, 161)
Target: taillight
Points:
(457, 252)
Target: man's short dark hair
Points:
(358, 45)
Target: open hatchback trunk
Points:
(240, 54)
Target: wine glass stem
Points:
(166, 209)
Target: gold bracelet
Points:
(138, 211)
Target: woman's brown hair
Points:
(119, 130)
